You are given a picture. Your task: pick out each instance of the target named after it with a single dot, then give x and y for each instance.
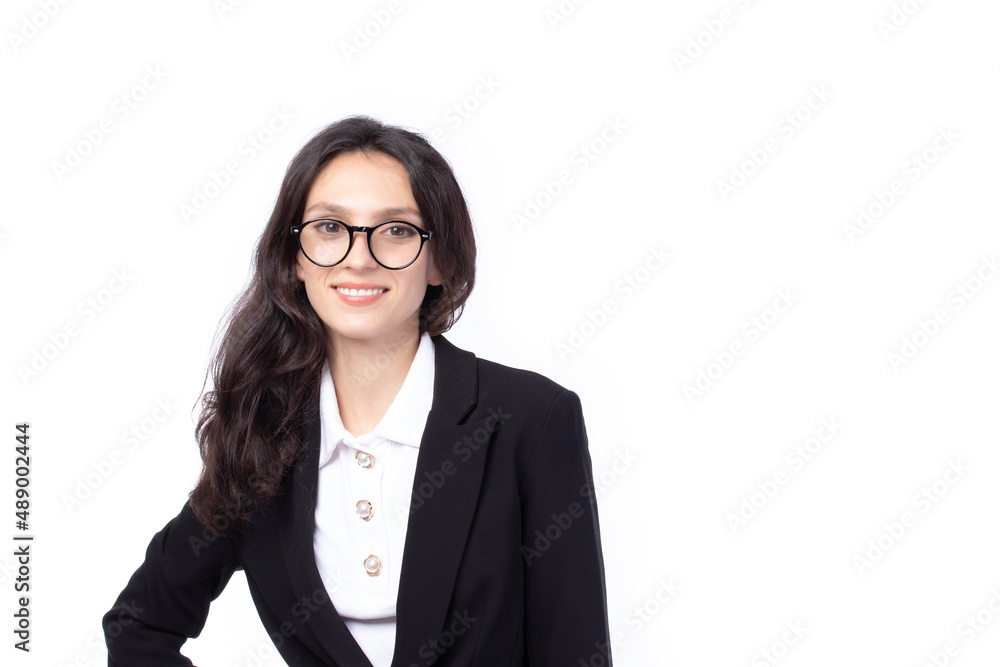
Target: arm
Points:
(167, 599)
(565, 615)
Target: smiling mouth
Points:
(361, 292)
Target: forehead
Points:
(357, 174)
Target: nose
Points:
(359, 256)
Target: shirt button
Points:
(373, 565)
(365, 509)
(365, 460)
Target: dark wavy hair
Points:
(267, 367)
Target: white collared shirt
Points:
(343, 540)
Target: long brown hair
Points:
(267, 368)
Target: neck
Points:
(367, 375)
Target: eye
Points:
(329, 227)
(397, 230)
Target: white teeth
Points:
(360, 292)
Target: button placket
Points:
(369, 513)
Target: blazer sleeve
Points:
(166, 600)
(565, 615)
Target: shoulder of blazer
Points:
(517, 405)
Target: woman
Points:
(391, 498)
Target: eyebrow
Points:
(330, 207)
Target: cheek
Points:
(315, 285)
(311, 292)
(415, 284)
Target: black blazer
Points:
(502, 563)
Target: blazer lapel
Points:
(436, 529)
(441, 505)
(296, 526)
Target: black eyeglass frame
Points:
(424, 237)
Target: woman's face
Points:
(365, 190)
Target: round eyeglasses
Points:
(394, 244)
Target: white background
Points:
(672, 467)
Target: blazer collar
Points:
(439, 521)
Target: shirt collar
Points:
(403, 422)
